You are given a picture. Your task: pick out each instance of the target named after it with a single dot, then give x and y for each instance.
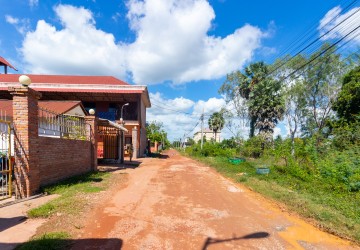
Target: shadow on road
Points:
(49, 243)
(6, 223)
(111, 167)
(257, 235)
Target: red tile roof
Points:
(4, 62)
(64, 79)
(59, 107)
(107, 91)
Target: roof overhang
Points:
(4, 62)
(86, 88)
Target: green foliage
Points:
(346, 135)
(341, 170)
(48, 241)
(262, 94)
(254, 147)
(155, 132)
(69, 189)
(347, 104)
(230, 143)
(209, 150)
(216, 122)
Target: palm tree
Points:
(216, 122)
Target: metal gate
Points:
(6, 160)
(108, 143)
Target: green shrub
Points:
(341, 169)
(210, 149)
(253, 147)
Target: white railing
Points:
(65, 126)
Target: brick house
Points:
(41, 160)
(110, 97)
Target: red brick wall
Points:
(62, 158)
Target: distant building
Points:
(208, 135)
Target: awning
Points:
(107, 123)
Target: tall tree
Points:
(321, 78)
(347, 104)
(262, 94)
(294, 93)
(155, 132)
(216, 122)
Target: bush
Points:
(210, 149)
(341, 169)
(254, 147)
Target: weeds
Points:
(48, 241)
(70, 190)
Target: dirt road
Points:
(177, 203)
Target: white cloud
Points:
(180, 115)
(336, 25)
(79, 48)
(172, 36)
(172, 44)
(21, 25)
(210, 106)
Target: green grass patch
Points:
(70, 191)
(335, 211)
(48, 241)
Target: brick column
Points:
(25, 120)
(92, 133)
(135, 142)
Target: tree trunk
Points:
(252, 126)
(292, 144)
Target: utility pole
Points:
(202, 129)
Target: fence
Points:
(6, 157)
(64, 126)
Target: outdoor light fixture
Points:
(24, 80)
(91, 111)
(121, 115)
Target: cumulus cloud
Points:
(172, 44)
(21, 25)
(172, 36)
(78, 48)
(337, 25)
(180, 115)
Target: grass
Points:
(335, 212)
(48, 241)
(70, 192)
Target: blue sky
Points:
(181, 49)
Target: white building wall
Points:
(209, 135)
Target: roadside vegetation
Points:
(315, 170)
(70, 191)
(64, 212)
(48, 241)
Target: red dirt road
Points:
(177, 203)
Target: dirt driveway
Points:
(177, 203)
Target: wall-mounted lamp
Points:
(121, 114)
(24, 80)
